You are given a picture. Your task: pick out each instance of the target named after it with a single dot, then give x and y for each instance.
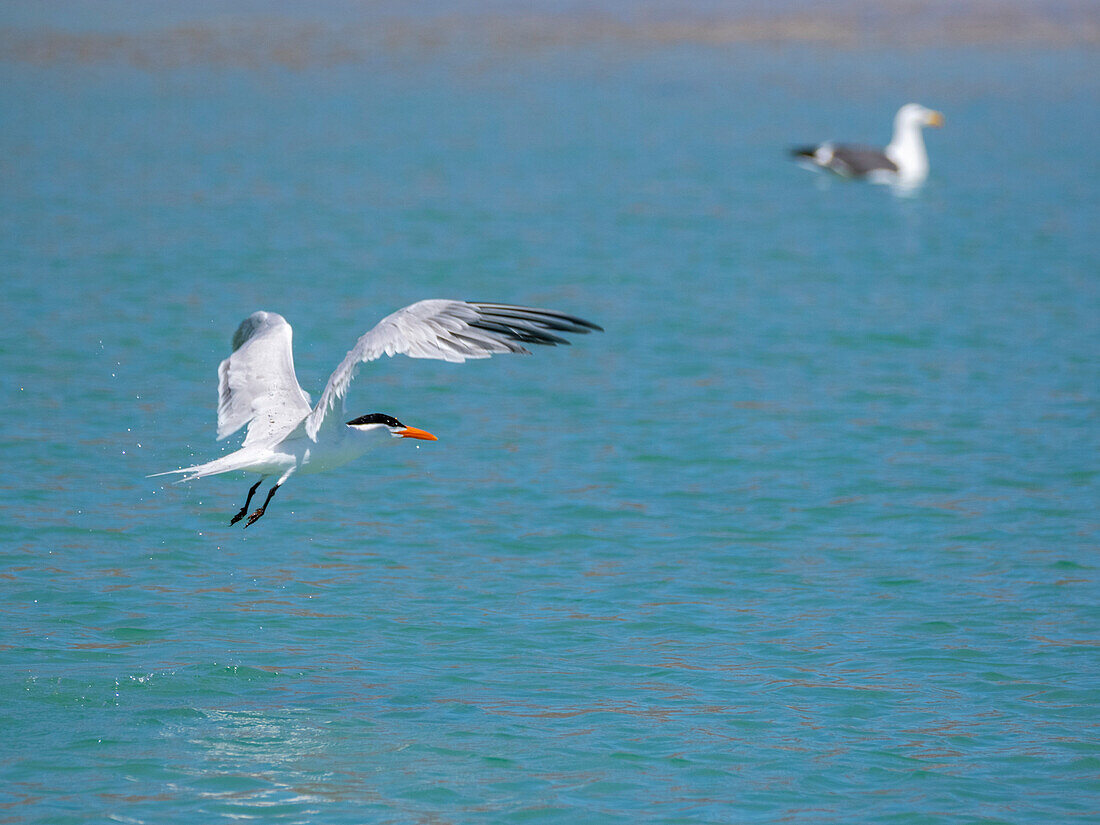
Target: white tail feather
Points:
(239, 460)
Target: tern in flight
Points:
(257, 385)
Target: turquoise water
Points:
(808, 535)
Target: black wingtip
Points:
(546, 318)
(524, 334)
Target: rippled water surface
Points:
(807, 535)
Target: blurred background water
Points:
(807, 535)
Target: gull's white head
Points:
(913, 114)
(381, 423)
(906, 148)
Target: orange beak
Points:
(413, 432)
(935, 119)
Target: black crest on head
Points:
(376, 418)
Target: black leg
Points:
(244, 510)
(252, 518)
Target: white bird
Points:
(904, 161)
(257, 385)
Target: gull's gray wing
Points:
(449, 331)
(256, 384)
(857, 161)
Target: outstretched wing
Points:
(448, 331)
(256, 384)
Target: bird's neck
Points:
(906, 149)
(353, 442)
(335, 449)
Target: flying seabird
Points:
(257, 385)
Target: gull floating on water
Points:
(257, 385)
(904, 161)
